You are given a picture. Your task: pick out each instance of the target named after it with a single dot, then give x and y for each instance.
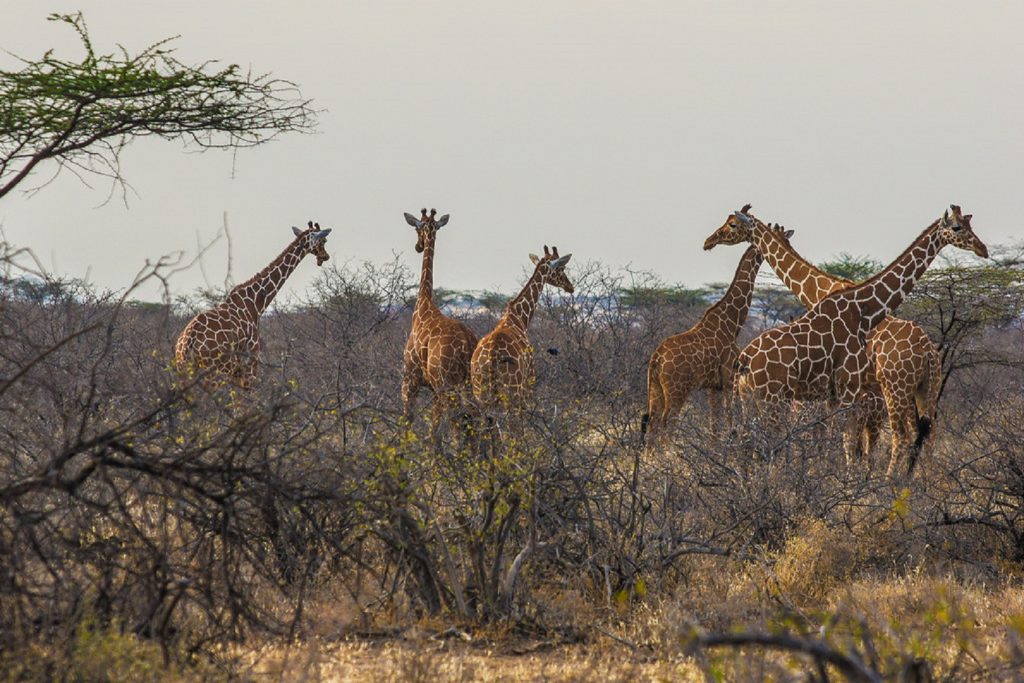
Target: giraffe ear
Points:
(412, 220)
(296, 231)
(321, 235)
(560, 262)
(788, 234)
(535, 259)
(443, 220)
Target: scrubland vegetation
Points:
(152, 528)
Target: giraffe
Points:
(823, 353)
(502, 366)
(225, 339)
(907, 368)
(703, 357)
(438, 350)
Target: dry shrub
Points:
(304, 509)
(963, 631)
(815, 560)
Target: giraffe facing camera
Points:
(317, 241)
(438, 350)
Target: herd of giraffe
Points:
(847, 349)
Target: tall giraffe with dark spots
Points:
(224, 340)
(823, 353)
(907, 368)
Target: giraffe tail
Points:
(655, 398)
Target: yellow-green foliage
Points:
(92, 656)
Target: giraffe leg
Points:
(868, 426)
(412, 381)
(251, 361)
(674, 402)
(852, 446)
(715, 399)
(901, 423)
(903, 441)
(722, 396)
(440, 409)
(769, 414)
(744, 402)
(872, 433)
(651, 422)
(849, 384)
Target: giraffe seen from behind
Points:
(703, 357)
(906, 364)
(502, 365)
(224, 341)
(439, 348)
(823, 353)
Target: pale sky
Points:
(623, 132)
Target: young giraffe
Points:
(225, 339)
(703, 357)
(502, 365)
(438, 350)
(907, 369)
(823, 353)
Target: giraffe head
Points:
(314, 241)
(551, 269)
(426, 227)
(955, 229)
(738, 227)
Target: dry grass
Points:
(960, 631)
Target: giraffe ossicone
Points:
(223, 342)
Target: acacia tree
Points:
(81, 114)
(854, 268)
(958, 302)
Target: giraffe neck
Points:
(879, 296)
(808, 283)
(731, 310)
(425, 297)
(256, 293)
(520, 310)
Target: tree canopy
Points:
(850, 267)
(957, 303)
(81, 114)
